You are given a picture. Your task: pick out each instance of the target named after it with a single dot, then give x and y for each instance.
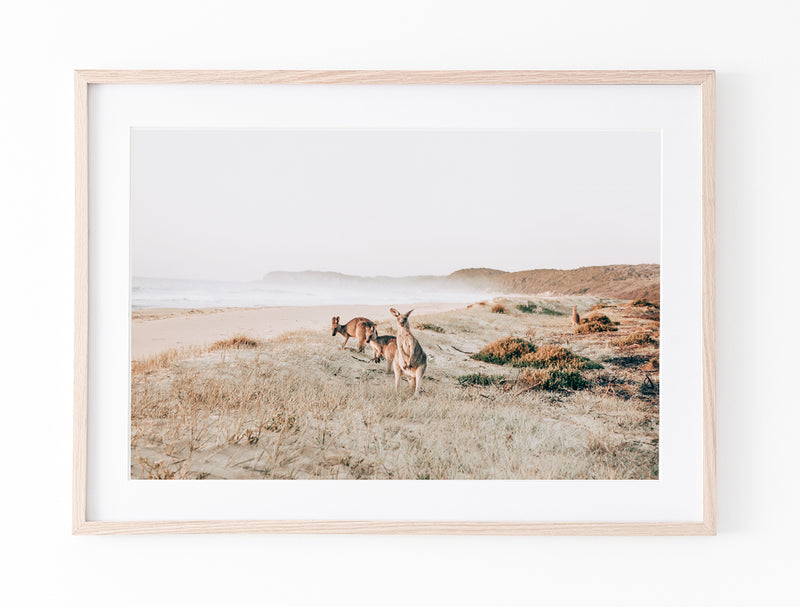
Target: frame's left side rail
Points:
(81, 302)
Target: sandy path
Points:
(157, 330)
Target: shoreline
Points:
(156, 330)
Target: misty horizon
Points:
(344, 273)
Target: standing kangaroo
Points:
(410, 359)
(383, 345)
(361, 328)
(576, 319)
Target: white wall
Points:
(755, 51)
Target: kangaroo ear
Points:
(395, 312)
(407, 314)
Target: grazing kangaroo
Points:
(576, 318)
(361, 328)
(383, 345)
(410, 359)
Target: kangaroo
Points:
(410, 359)
(576, 319)
(383, 345)
(360, 328)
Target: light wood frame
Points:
(84, 78)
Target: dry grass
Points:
(170, 357)
(645, 313)
(429, 326)
(164, 360)
(299, 407)
(499, 309)
(237, 342)
(652, 365)
(639, 338)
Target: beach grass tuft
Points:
(639, 338)
(235, 343)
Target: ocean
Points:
(174, 293)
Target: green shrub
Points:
(595, 323)
(504, 351)
(550, 312)
(531, 308)
(479, 379)
(553, 379)
(557, 357)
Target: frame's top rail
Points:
(633, 77)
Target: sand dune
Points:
(297, 406)
(157, 330)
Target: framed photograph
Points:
(394, 302)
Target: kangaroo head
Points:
(371, 332)
(402, 319)
(334, 325)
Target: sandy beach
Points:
(156, 330)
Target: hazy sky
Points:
(234, 205)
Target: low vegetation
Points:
(429, 326)
(298, 407)
(534, 308)
(479, 379)
(644, 313)
(552, 380)
(504, 351)
(639, 338)
(642, 303)
(499, 309)
(619, 282)
(527, 308)
(519, 352)
(558, 357)
(595, 323)
(170, 357)
(235, 343)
